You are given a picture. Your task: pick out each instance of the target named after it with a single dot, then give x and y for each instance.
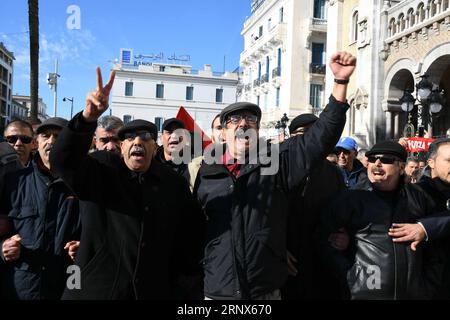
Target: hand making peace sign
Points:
(97, 100)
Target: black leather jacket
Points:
(374, 267)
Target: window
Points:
(162, 68)
(319, 9)
(281, 15)
(257, 100)
(128, 89)
(259, 70)
(189, 93)
(159, 122)
(269, 24)
(160, 91)
(260, 32)
(267, 68)
(219, 95)
(126, 119)
(315, 96)
(355, 28)
(411, 17)
(279, 58)
(318, 53)
(421, 10)
(277, 99)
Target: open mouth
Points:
(241, 136)
(137, 153)
(378, 173)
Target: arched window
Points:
(355, 27)
(392, 27)
(433, 9)
(401, 22)
(411, 17)
(421, 12)
(444, 5)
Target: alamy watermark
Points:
(247, 146)
(74, 280)
(74, 20)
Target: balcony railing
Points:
(318, 68)
(319, 21)
(256, 83)
(276, 72)
(247, 87)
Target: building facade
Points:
(283, 63)
(6, 85)
(396, 42)
(417, 43)
(155, 91)
(25, 101)
(18, 110)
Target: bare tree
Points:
(33, 22)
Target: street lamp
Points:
(430, 100)
(282, 124)
(71, 106)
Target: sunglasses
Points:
(13, 139)
(144, 135)
(106, 140)
(237, 118)
(383, 159)
(338, 151)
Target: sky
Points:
(207, 30)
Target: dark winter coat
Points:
(245, 254)
(141, 231)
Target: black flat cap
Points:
(240, 106)
(173, 121)
(301, 121)
(55, 122)
(138, 125)
(388, 147)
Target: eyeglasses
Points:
(237, 118)
(144, 135)
(106, 140)
(383, 159)
(13, 139)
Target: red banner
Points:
(192, 126)
(418, 144)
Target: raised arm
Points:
(308, 150)
(69, 156)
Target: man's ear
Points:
(402, 167)
(431, 163)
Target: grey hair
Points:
(109, 123)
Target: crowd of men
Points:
(332, 221)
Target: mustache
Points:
(137, 149)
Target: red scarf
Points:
(231, 164)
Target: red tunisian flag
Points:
(418, 144)
(192, 127)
